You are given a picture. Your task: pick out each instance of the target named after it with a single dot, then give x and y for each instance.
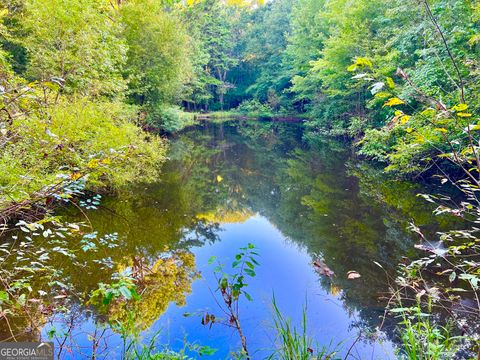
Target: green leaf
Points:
(400, 310)
(204, 350)
(108, 297)
(125, 291)
(22, 300)
(250, 272)
(51, 333)
(134, 294)
(247, 296)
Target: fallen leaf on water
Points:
(352, 275)
(322, 269)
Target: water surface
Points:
(238, 182)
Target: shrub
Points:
(78, 137)
(169, 118)
(254, 108)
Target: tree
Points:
(212, 25)
(75, 42)
(157, 59)
(266, 42)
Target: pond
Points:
(298, 201)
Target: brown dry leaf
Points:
(322, 269)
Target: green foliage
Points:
(122, 289)
(136, 349)
(254, 108)
(232, 287)
(64, 116)
(425, 335)
(375, 144)
(214, 27)
(265, 45)
(424, 135)
(295, 344)
(76, 42)
(400, 77)
(157, 58)
(169, 118)
(78, 138)
(423, 339)
(372, 39)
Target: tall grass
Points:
(422, 339)
(294, 343)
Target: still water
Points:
(237, 182)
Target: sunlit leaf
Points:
(390, 83)
(393, 102)
(460, 107)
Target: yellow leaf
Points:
(409, 130)
(460, 107)
(420, 139)
(382, 94)
(393, 101)
(360, 62)
(400, 116)
(352, 68)
(428, 112)
(219, 178)
(441, 130)
(462, 114)
(92, 164)
(467, 151)
(445, 155)
(390, 83)
(75, 176)
(475, 39)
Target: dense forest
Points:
(352, 69)
(93, 91)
